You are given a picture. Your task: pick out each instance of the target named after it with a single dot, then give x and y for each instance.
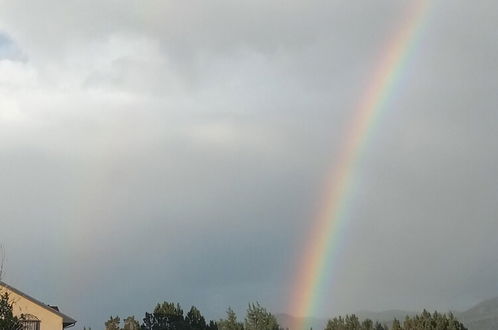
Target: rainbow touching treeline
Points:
(316, 265)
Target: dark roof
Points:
(66, 320)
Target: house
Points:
(36, 315)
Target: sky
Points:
(176, 151)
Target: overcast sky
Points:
(176, 150)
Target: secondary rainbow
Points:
(315, 265)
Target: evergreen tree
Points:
(423, 321)
(352, 322)
(194, 320)
(435, 321)
(367, 324)
(166, 316)
(379, 326)
(212, 326)
(258, 318)
(7, 318)
(131, 324)
(113, 323)
(396, 325)
(337, 323)
(230, 323)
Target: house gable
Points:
(50, 318)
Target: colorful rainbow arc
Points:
(313, 273)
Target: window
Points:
(30, 322)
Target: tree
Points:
(379, 326)
(166, 316)
(423, 321)
(131, 324)
(212, 326)
(194, 319)
(337, 323)
(435, 321)
(396, 325)
(113, 323)
(7, 319)
(352, 322)
(230, 323)
(258, 318)
(367, 324)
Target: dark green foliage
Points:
(7, 319)
(195, 320)
(367, 324)
(379, 326)
(352, 322)
(212, 326)
(112, 323)
(168, 316)
(435, 321)
(424, 321)
(337, 323)
(349, 322)
(131, 324)
(258, 318)
(230, 323)
(396, 325)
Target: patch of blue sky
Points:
(9, 49)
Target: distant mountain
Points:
(483, 316)
(385, 316)
(286, 321)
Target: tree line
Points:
(170, 316)
(423, 321)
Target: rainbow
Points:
(316, 263)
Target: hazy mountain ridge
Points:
(286, 321)
(385, 316)
(483, 316)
